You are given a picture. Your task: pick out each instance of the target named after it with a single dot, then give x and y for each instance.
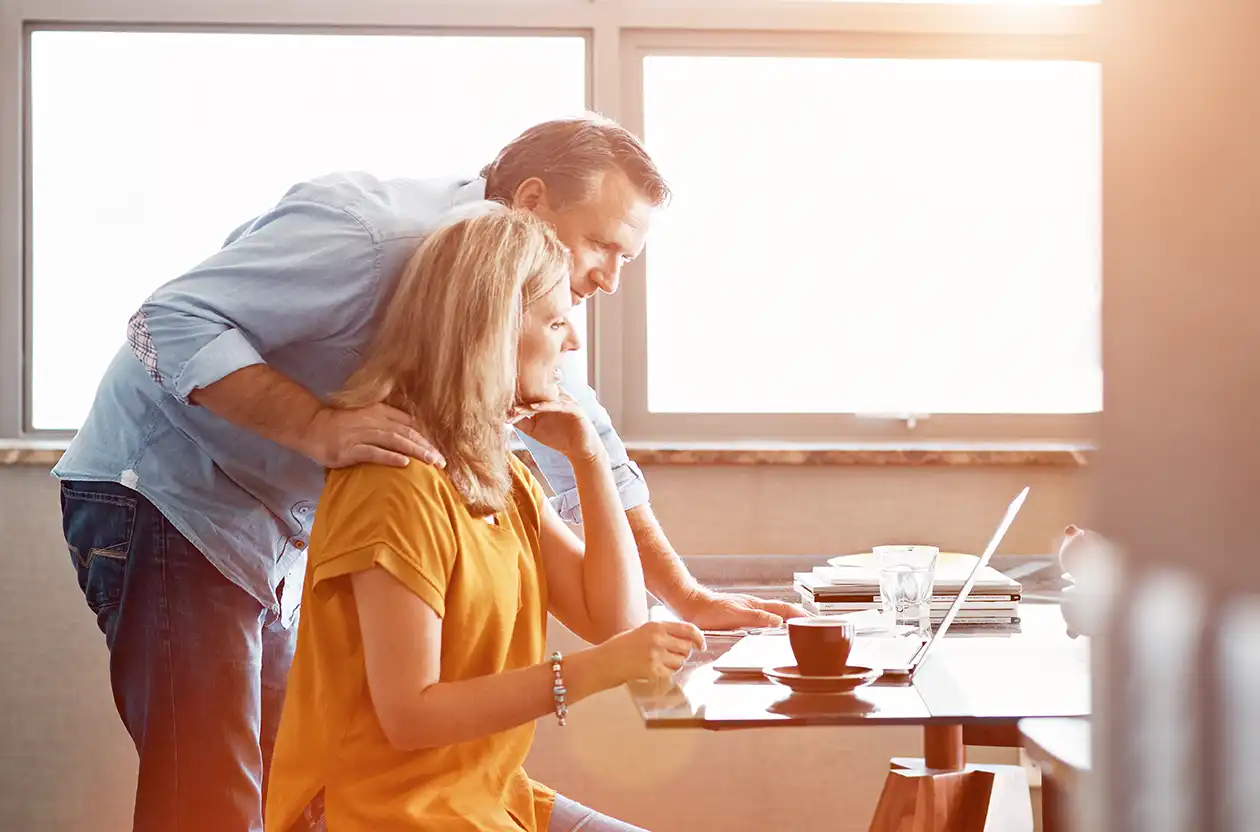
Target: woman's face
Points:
(546, 335)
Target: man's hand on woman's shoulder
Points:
(339, 438)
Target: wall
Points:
(66, 763)
(1180, 473)
(814, 509)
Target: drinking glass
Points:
(905, 585)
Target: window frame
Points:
(618, 34)
(645, 425)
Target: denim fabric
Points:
(197, 665)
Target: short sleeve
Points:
(399, 519)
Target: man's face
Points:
(603, 233)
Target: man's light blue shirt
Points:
(298, 288)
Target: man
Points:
(188, 495)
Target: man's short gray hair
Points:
(567, 155)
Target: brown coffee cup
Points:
(821, 645)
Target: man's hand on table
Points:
(710, 610)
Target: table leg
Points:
(941, 793)
(943, 748)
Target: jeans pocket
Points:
(98, 521)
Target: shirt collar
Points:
(473, 191)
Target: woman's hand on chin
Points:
(560, 424)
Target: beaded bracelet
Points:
(557, 689)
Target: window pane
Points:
(149, 148)
(874, 236)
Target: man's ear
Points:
(531, 195)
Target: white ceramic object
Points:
(1073, 551)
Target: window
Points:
(148, 148)
(874, 236)
(880, 208)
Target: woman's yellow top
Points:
(487, 584)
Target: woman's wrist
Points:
(588, 672)
(595, 461)
(589, 450)
(558, 688)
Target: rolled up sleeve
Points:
(555, 467)
(302, 272)
(631, 485)
(227, 353)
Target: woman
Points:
(420, 665)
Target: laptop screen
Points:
(994, 542)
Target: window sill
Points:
(33, 452)
(892, 455)
(46, 453)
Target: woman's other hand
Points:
(560, 424)
(651, 652)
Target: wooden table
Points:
(973, 690)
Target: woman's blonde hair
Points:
(445, 352)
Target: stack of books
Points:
(851, 584)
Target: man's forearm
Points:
(664, 572)
(263, 401)
(668, 579)
(612, 578)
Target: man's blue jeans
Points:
(197, 665)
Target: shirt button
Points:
(299, 544)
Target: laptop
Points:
(899, 657)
